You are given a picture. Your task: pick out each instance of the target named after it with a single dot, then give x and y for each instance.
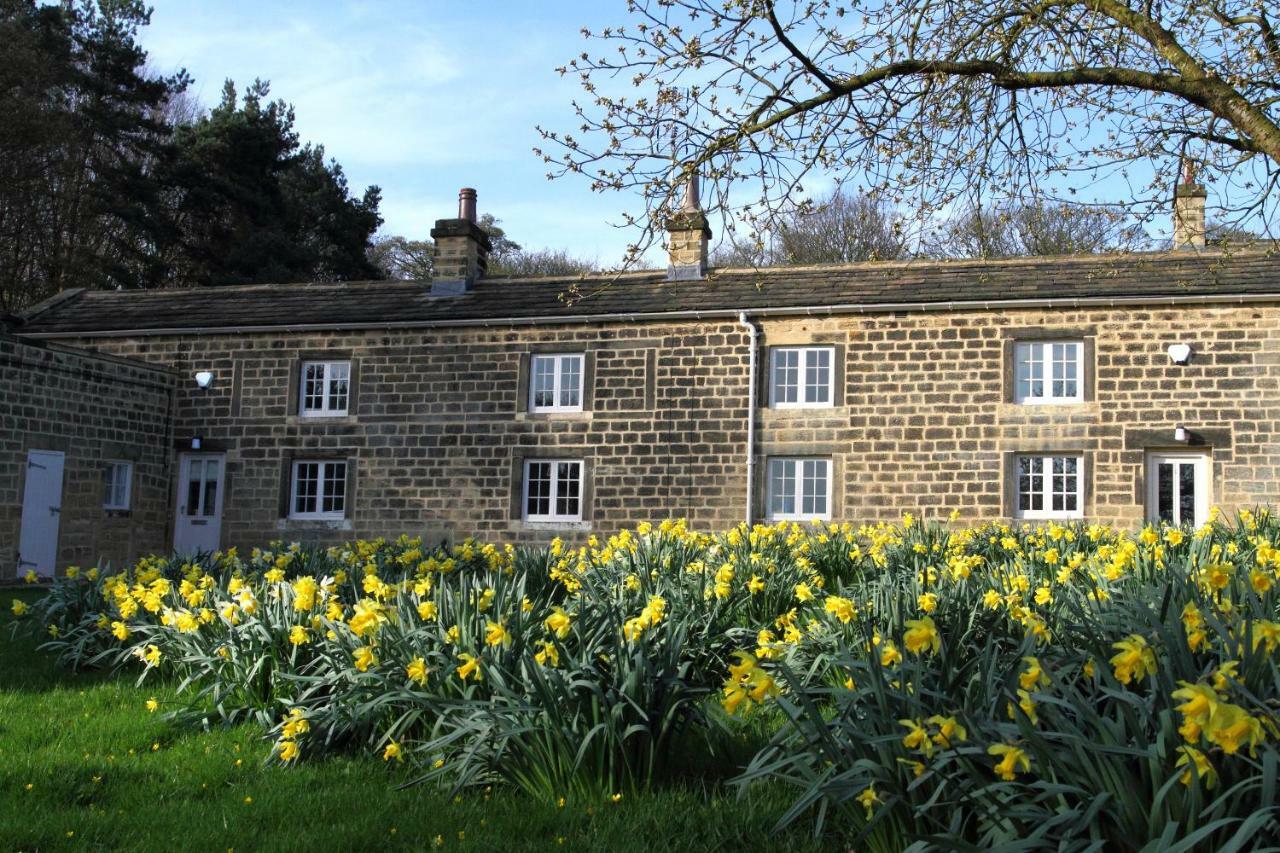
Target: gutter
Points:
(754, 337)
(708, 314)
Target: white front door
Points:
(1178, 488)
(41, 512)
(198, 526)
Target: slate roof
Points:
(863, 286)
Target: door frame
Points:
(181, 490)
(1203, 466)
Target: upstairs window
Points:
(553, 490)
(555, 383)
(325, 388)
(117, 481)
(1049, 486)
(801, 376)
(319, 490)
(799, 489)
(1048, 372)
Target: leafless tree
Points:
(839, 228)
(539, 262)
(1035, 229)
(928, 103)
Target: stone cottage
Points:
(1110, 388)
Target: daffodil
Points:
(1134, 659)
(949, 731)
(287, 750)
(1013, 760)
(890, 656)
(1196, 764)
(921, 636)
(365, 658)
(1231, 727)
(1027, 705)
(417, 670)
(547, 654)
(559, 622)
(470, 667)
(392, 750)
(1033, 677)
(917, 737)
(868, 799)
(496, 634)
(841, 608)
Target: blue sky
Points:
(420, 98)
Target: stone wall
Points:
(923, 421)
(92, 408)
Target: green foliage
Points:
(84, 743)
(254, 205)
(1042, 687)
(111, 177)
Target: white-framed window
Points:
(1048, 372)
(555, 383)
(324, 388)
(1049, 486)
(553, 490)
(801, 377)
(798, 489)
(318, 490)
(117, 484)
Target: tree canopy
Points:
(110, 177)
(399, 257)
(928, 104)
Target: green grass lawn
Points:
(83, 765)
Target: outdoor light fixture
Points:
(1180, 353)
(204, 378)
(1180, 434)
(195, 442)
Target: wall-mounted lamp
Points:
(204, 378)
(1180, 353)
(195, 442)
(1180, 434)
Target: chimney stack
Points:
(1188, 210)
(687, 234)
(461, 252)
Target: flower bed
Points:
(1054, 684)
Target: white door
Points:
(198, 526)
(41, 512)
(1178, 488)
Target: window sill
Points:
(319, 420)
(798, 411)
(343, 524)
(554, 416)
(1039, 519)
(524, 524)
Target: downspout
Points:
(751, 407)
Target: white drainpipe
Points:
(751, 407)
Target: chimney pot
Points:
(467, 204)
